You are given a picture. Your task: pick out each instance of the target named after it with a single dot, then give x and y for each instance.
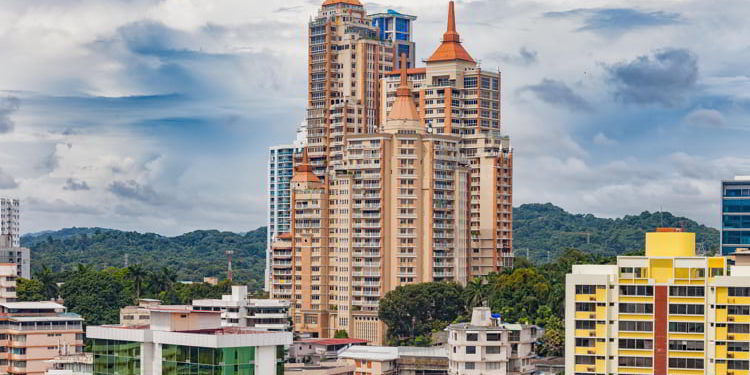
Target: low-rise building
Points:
(140, 314)
(317, 350)
(8, 282)
(486, 345)
(186, 342)
(72, 364)
(338, 367)
(239, 311)
(32, 333)
(391, 360)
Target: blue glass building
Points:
(397, 28)
(735, 214)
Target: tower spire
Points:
(403, 107)
(451, 20)
(450, 49)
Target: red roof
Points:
(333, 341)
(450, 49)
(350, 2)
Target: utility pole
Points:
(229, 264)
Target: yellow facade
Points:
(670, 244)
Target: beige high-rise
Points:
(402, 203)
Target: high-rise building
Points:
(667, 312)
(32, 333)
(397, 28)
(10, 230)
(403, 203)
(280, 169)
(8, 275)
(347, 58)
(454, 95)
(735, 209)
(179, 341)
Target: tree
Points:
(415, 310)
(552, 342)
(341, 334)
(98, 296)
(29, 290)
(476, 293)
(137, 274)
(48, 280)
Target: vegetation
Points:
(547, 229)
(532, 294)
(98, 295)
(190, 256)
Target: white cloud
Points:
(603, 140)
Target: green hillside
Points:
(192, 255)
(543, 228)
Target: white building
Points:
(239, 311)
(280, 170)
(7, 282)
(488, 346)
(179, 342)
(10, 229)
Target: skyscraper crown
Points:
(450, 49)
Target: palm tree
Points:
(82, 268)
(162, 280)
(477, 293)
(136, 273)
(49, 284)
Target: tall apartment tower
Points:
(667, 312)
(455, 96)
(397, 28)
(346, 61)
(735, 212)
(10, 232)
(280, 170)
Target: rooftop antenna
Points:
(229, 264)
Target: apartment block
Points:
(392, 360)
(667, 312)
(486, 345)
(397, 28)
(454, 95)
(33, 333)
(8, 282)
(280, 170)
(10, 229)
(735, 211)
(347, 58)
(239, 311)
(72, 364)
(179, 341)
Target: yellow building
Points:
(668, 312)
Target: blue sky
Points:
(155, 115)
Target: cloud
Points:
(8, 105)
(603, 140)
(288, 9)
(73, 184)
(705, 118)
(133, 190)
(525, 56)
(617, 19)
(664, 78)
(60, 206)
(556, 92)
(7, 181)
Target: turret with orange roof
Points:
(451, 49)
(304, 171)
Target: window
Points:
(696, 363)
(494, 349)
(585, 289)
(469, 365)
(739, 310)
(636, 344)
(471, 350)
(636, 326)
(738, 346)
(585, 343)
(585, 324)
(635, 361)
(636, 290)
(685, 345)
(687, 291)
(583, 306)
(585, 360)
(472, 336)
(685, 309)
(494, 336)
(737, 365)
(687, 327)
(738, 328)
(636, 308)
(739, 292)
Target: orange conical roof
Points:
(450, 49)
(403, 108)
(304, 171)
(350, 2)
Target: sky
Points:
(156, 115)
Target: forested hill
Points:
(192, 255)
(546, 227)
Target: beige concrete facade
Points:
(411, 195)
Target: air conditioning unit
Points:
(730, 337)
(731, 319)
(592, 298)
(730, 355)
(592, 334)
(592, 316)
